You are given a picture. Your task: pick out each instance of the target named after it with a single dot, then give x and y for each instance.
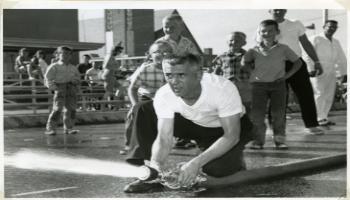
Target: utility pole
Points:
(325, 15)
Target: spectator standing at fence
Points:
(144, 83)
(268, 78)
(63, 78)
(34, 70)
(93, 78)
(83, 67)
(172, 28)
(93, 75)
(22, 63)
(333, 60)
(229, 66)
(42, 63)
(292, 33)
(110, 68)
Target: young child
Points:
(63, 78)
(144, 83)
(172, 28)
(229, 66)
(268, 82)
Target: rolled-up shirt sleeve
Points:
(230, 103)
(161, 107)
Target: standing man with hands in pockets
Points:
(292, 33)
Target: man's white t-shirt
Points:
(219, 98)
(290, 31)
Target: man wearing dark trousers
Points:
(292, 33)
(194, 105)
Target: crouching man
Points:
(202, 107)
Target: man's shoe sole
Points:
(152, 187)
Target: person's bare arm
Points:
(295, 67)
(163, 144)
(230, 138)
(309, 49)
(132, 93)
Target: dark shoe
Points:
(281, 146)
(135, 161)
(330, 123)
(139, 186)
(184, 144)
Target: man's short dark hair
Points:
(269, 22)
(191, 59)
(65, 48)
(331, 21)
(178, 60)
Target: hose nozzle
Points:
(148, 174)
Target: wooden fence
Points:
(24, 94)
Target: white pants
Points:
(324, 90)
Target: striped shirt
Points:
(148, 78)
(183, 47)
(228, 65)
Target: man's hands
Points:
(318, 69)
(188, 173)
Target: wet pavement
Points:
(103, 142)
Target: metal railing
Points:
(32, 95)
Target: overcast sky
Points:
(210, 27)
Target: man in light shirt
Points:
(333, 60)
(204, 107)
(292, 33)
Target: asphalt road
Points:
(103, 142)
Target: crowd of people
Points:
(224, 118)
(175, 104)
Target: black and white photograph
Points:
(173, 101)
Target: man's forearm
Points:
(309, 49)
(217, 149)
(132, 93)
(160, 151)
(296, 66)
